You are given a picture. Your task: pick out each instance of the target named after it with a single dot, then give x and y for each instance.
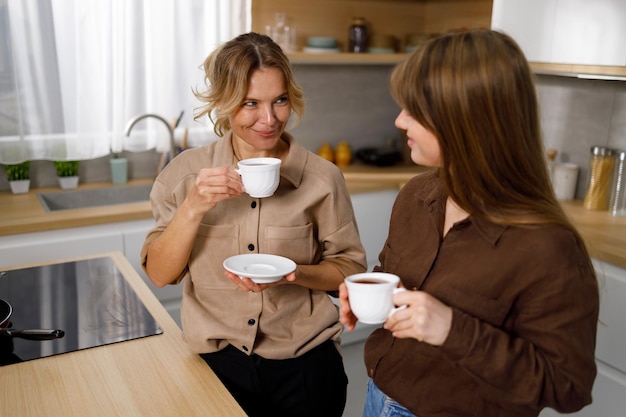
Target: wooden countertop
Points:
(604, 234)
(152, 376)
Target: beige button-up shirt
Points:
(309, 220)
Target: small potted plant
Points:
(67, 173)
(19, 177)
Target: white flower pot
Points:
(67, 183)
(20, 186)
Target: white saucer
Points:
(260, 268)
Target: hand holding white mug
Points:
(371, 296)
(425, 319)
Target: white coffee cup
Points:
(260, 176)
(371, 294)
(564, 180)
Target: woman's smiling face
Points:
(263, 116)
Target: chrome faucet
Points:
(166, 156)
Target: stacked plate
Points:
(321, 45)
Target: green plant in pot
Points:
(19, 177)
(67, 173)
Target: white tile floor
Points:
(357, 378)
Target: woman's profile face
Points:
(264, 113)
(424, 145)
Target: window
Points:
(73, 72)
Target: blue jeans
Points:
(378, 404)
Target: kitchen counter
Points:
(604, 234)
(152, 376)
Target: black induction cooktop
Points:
(89, 300)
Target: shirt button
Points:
(251, 322)
(250, 247)
(253, 204)
(245, 348)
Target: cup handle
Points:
(402, 307)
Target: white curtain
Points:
(74, 72)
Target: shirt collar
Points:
(432, 194)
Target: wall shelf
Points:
(598, 72)
(345, 58)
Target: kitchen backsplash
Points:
(352, 103)
(577, 114)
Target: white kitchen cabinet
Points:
(590, 32)
(609, 390)
(565, 31)
(529, 22)
(46, 246)
(372, 212)
(611, 342)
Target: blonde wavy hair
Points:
(227, 73)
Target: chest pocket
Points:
(296, 243)
(487, 309)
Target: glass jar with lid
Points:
(601, 168)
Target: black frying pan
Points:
(32, 334)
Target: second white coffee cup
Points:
(260, 176)
(371, 296)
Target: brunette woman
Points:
(503, 301)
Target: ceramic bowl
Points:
(321, 42)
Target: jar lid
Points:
(601, 151)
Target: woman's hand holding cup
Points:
(368, 297)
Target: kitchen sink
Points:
(94, 197)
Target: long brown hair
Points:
(227, 72)
(475, 92)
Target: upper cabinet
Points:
(568, 36)
(400, 19)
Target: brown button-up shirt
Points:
(309, 219)
(525, 307)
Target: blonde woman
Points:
(274, 346)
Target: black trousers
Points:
(313, 384)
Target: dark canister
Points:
(357, 35)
